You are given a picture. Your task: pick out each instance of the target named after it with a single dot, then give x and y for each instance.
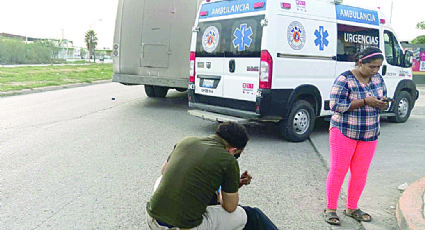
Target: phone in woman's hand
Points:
(387, 99)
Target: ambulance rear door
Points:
(228, 50)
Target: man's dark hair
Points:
(234, 133)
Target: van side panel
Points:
(306, 60)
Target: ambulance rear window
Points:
(237, 37)
(353, 39)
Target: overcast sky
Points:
(71, 19)
(405, 15)
(52, 18)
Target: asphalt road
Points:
(87, 158)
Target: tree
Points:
(420, 25)
(420, 39)
(91, 42)
(82, 53)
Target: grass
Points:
(31, 77)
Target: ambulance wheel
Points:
(150, 91)
(402, 107)
(300, 122)
(161, 91)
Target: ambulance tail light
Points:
(258, 5)
(266, 67)
(192, 68)
(286, 5)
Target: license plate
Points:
(208, 83)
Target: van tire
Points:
(402, 107)
(181, 89)
(160, 91)
(150, 91)
(299, 123)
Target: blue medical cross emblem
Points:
(242, 37)
(321, 38)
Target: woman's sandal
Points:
(331, 218)
(359, 215)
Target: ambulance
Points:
(276, 61)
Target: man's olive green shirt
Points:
(195, 170)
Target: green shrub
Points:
(419, 40)
(15, 51)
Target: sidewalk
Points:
(410, 209)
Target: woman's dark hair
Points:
(234, 133)
(369, 55)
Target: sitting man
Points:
(193, 173)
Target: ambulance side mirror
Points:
(407, 59)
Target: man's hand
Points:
(245, 179)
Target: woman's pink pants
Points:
(347, 153)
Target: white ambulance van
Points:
(276, 60)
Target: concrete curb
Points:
(50, 88)
(410, 208)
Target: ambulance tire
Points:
(299, 123)
(161, 91)
(150, 91)
(402, 107)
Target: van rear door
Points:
(156, 34)
(242, 58)
(228, 49)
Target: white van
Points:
(151, 43)
(276, 60)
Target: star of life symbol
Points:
(321, 38)
(242, 37)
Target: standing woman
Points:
(357, 96)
